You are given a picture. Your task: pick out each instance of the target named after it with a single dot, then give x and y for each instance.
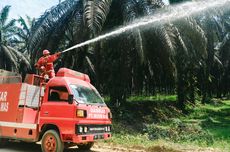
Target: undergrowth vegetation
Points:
(178, 131)
(144, 122)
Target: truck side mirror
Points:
(70, 99)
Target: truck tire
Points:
(3, 142)
(85, 146)
(51, 142)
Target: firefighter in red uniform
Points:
(45, 64)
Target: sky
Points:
(33, 8)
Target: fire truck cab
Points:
(67, 110)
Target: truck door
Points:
(56, 110)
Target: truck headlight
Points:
(81, 113)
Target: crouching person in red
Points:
(45, 64)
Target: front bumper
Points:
(88, 133)
(91, 137)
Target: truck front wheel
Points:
(85, 146)
(51, 142)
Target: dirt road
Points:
(30, 147)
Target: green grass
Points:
(215, 118)
(142, 142)
(158, 97)
(206, 125)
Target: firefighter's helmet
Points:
(46, 52)
(42, 68)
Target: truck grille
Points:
(92, 129)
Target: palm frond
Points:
(217, 61)
(181, 46)
(129, 11)
(21, 34)
(161, 56)
(57, 34)
(194, 37)
(30, 20)
(95, 13)
(76, 30)
(4, 14)
(9, 25)
(20, 56)
(148, 7)
(24, 25)
(133, 9)
(46, 24)
(9, 55)
(140, 45)
(156, 4)
(90, 64)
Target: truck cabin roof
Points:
(64, 81)
(66, 76)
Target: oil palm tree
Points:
(23, 33)
(10, 58)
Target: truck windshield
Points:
(86, 95)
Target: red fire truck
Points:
(67, 110)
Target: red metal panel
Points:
(20, 114)
(29, 79)
(29, 134)
(30, 115)
(7, 132)
(16, 120)
(9, 104)
(33, 79)
(58, 113)
(19, 133)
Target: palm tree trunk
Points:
(181, 91)
(0, 37)
(192, 81)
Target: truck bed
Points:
(19, 110)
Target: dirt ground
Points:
(30, 147)
(109, 148)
